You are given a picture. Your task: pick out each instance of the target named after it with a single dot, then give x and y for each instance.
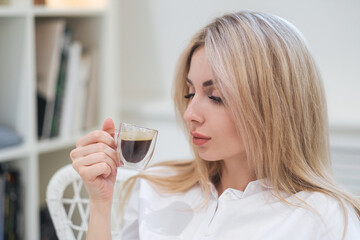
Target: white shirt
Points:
(254, 214)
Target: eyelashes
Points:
(190, 95)
(217, 100)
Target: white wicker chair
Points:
(68, 203)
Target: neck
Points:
(236, 174)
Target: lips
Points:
(199, 139)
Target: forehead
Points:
(200, 70)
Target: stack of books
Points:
(66, 81)
(71, 3)
(10, 204)
(4, 2)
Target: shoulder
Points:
(333, 215)
(319, 201)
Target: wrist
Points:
(100, 205)
(100, 220)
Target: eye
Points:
(190, 95)
(217, 100)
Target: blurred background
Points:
(67, 65)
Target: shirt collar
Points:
(252, 188)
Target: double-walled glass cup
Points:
(135, 145)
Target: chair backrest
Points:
(68, 203)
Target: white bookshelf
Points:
(38, 160)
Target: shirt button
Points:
(228, 195)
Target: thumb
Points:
(109, 126)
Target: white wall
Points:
(153, 33)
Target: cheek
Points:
(226, 141)
(231, 142)
(226, 126)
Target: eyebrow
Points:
(205, 84)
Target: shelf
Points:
(59, 143)
(40, 11)
(49, 145)
(37, 160)
(12, 12)
(43, 146)
(15, 152)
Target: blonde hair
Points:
(267, 75)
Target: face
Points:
(211, 126)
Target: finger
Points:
(93, 148)
(90, 173)
(83, 151)
(95, 158)
(109, 126)
(95, 137)
(112, 155)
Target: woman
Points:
(254, 107)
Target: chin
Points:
(208, 157)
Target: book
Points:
(39, 2)
(92, 98)
(4, 2)
(49, 37)
(61, 84)
(2, 202)
(81, 98)
(72, 89)
(11, 215)
(76, 3)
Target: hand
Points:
(96, 160)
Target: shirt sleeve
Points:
(129, 229)
(335, 223)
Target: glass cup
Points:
(135, 145)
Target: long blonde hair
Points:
(271, 85)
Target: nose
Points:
(193, 113)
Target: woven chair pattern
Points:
(70, 215)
